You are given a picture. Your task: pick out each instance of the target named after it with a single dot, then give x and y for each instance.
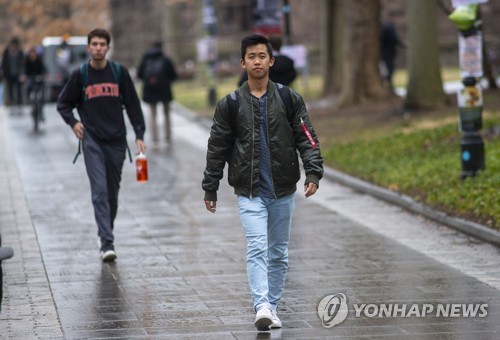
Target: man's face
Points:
(98, 48)
(257, 61)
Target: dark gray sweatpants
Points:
(104, 165)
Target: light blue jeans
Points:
(267, 223)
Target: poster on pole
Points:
(470, 55)
(206, 49)
(296, 52)
(470, 107)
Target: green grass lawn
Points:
(425, 164)
(194, 93)
(400, 77)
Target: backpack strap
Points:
(117, 74)
(116, 69)
(84, 75)
(286, 97)
(232, 100)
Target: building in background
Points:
(135, 24)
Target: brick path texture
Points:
(359, 267)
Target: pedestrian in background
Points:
(259, 141)
(34, 72)
(157, 73)
(13, 70)
(389, 42)
(99, 89)
(283, 70)
(33, 66)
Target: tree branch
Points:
(443, 6)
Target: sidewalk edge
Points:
(471, 228)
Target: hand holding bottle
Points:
(141, 165)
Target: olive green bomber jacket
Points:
(236, 141)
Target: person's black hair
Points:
(157, 44)
(100, 33)
(15, 41)
(276, 42)
(253, 40)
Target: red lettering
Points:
(102, 90)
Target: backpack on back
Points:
(153, 72)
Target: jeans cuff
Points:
(263, 305)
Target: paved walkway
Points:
(180, 272)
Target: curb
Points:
(471, 228)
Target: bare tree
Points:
(425, 86)
(351, 51)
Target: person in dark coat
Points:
(283, 69)
(389, 43)
(100, 96)
(13, 70)
(35, 70)
(157, 73)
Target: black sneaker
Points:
(108, 252)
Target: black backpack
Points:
(284, 92)
(153, 72)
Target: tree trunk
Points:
(425, 86)
(352, 51)
(487, 69)
(330, 54)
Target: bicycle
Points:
(36, 95)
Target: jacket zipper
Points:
(253, 148)
(269, 147)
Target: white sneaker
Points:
(263, 319)
(108, 255)
(276, 321)
(108, 252)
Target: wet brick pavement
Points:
(180, 272)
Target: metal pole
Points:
(470, 103)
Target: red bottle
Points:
(141, 165)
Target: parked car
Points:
(60, 60)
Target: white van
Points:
(55, 77)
